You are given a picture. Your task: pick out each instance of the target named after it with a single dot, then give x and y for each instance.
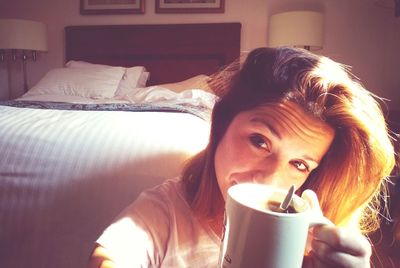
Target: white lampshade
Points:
(23, 34)
(296, 29)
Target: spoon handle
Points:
(288, 199)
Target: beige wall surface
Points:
(357, 33)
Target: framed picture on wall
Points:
(93, 7)
(190, 6)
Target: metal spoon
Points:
(288, 199)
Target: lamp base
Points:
(24, 58)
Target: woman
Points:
(287, 117)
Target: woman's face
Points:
(276, 144)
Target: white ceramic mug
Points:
(255, 236)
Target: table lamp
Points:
(22, 35)
(296, 29)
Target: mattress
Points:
(67, 170)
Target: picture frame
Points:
(111, 7)
(190, 6)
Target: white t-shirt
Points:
(159, 230)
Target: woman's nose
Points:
(272, 174)
(268, 179)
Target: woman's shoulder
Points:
(141, 231)
(166, 192)
(167, 186)
(158, 202)
(162, 216)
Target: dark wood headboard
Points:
(170, 52)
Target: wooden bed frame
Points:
(170, 52)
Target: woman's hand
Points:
(100, 258)
(336, 247)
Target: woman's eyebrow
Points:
(278, 135)
(267, 125)
(310, 159)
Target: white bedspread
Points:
(65, 174)
(152, 94)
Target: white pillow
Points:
(196, 82)
(133, 78)
(89, 82)
(144, 77)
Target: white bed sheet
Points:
(64, 175)
(68, 98)
(152, 94)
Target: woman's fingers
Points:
(312, 199)
(313, 261)
(338, 247)
(346, 240)
(100, 258)
(325, 256)
(107, 264)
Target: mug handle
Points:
(317, 220)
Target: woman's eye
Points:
(259, 141)
(301, 166)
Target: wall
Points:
(356, 33)
(391, 68)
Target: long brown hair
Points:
(361, 155)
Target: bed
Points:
(70, 162)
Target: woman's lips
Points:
(234, 182)
(240, 178)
